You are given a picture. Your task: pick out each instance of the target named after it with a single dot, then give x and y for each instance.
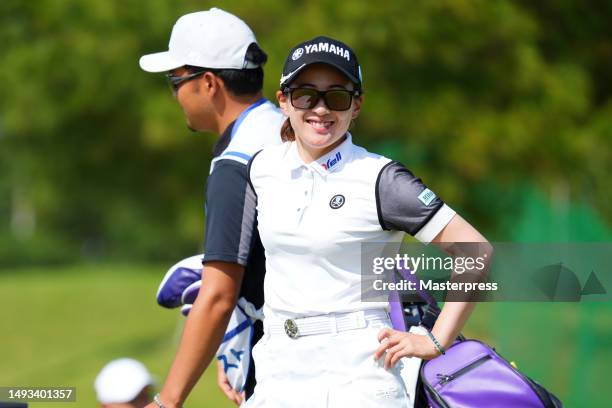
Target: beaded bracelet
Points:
(157, 401)
(436, 342)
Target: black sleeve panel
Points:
(403, 202)
(230, 218)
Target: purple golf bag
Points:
(471, 374)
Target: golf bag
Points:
(470, 373)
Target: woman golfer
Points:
(319, 198)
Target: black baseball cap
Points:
(321, 50)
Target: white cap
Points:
(209, 39)
(121, 381)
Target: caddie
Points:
(179, 288)
(214, 66)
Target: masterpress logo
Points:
(485, 272)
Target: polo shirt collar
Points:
(327, 163)
(294, 161)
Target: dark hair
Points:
(287, 134)
(241, 82)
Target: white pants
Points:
(329, 370)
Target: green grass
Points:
(61, 325)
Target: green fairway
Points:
(61, 325)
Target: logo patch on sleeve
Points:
(427, 196)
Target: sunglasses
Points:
(175, 81)
(308, 98)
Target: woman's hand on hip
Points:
(396, 344)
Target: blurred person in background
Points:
(124, 383)
(214, 67)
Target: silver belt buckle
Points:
(291, 328)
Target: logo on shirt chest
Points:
(337, 201)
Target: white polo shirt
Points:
(313, 218)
